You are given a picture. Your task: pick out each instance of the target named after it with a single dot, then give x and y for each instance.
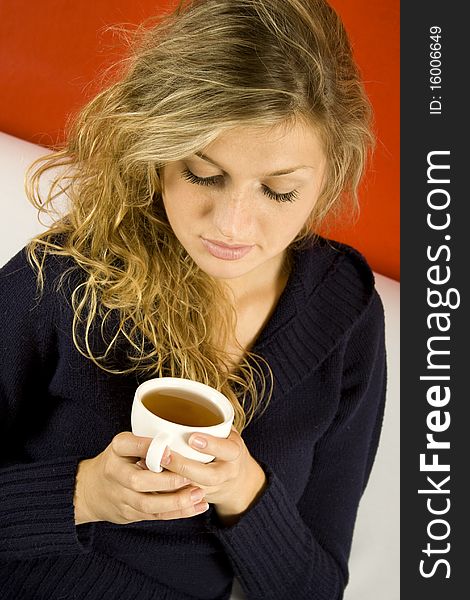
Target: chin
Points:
(221, 269)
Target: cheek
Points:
(288, 223)
(183, 204)
(293, 217)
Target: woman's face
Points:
(252, 188)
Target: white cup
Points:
(174, 435)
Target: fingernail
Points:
(198, 442)
(197, 494)
(201, 507)
(166, 458)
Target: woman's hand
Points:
(112, 487)
(232, 482)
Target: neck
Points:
(270, 278)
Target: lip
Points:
(225, 251)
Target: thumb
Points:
(130, 445)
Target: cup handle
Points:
(156, 450)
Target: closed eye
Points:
(187, 174)
(216, 179)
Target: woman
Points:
(196, 184)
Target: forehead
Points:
(266, 148)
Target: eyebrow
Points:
(275, 174)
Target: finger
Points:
(228, 449)
(198, 473)
(129, 514)
(187, 512)
(143, 480)
(128, 444)
(152, 504)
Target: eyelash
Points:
(289, 197)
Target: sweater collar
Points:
(329, 287)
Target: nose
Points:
(233, 217)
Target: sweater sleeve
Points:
(280, 549)
(36, 498)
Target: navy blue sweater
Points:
(316, 442)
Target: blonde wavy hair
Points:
(191, 74)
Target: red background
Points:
(52, 52)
